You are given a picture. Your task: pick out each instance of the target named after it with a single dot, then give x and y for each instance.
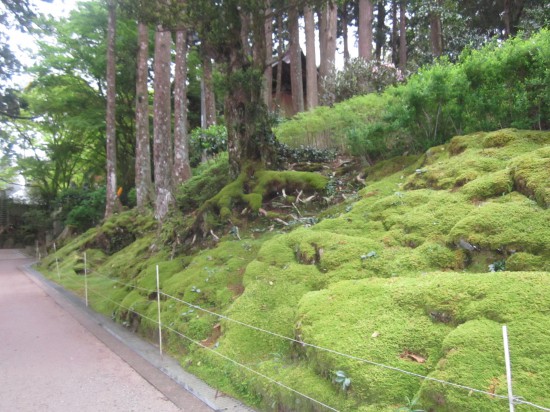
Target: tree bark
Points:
(296, 77)
(380, 29)
(209, 114)
(268, 72)
(366, 11)
(144, 182)
(280, 49)
(327, 38)
(162, 144)
(402, 34)
(506, 17)
(182, 168)
(111, 200)
(311, 65)
(345, 19)
(436, 35)
(394, 33)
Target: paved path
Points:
(51, 362)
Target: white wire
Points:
(123, 284)
(381, 365)
(217, 353)
(122, 306)
(456, 385)
(251, 370)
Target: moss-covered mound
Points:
(418, 272)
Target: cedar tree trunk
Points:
(144, 182)
(162, 144)
(311, 65)
(182, 169)
(111, 200)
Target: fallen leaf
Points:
(412, 356)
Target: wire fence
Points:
(76, 283)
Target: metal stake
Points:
(86, 279)
(56, 262)
(158, 307)
(508, 367)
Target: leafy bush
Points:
(207, 143)
(327, 127)
(360, 77)
(501, 85)
(304, 154)
(82, 208)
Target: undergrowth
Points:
(419, 270)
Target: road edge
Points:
(163, 372)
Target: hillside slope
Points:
(418, 272)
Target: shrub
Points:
(360, 77)
(207, 143)
(83, 208)
(499, 86)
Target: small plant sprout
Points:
(498, 266)
(342, 379)
(410, 405)
(371, 254)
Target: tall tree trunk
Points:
(380, 29)
(366, 11)
(402, 34)
(111, 200)
(311, 65)
(209, 113)
(268, 72)
(162, 144)
(506, 14)
(249, 137)
(327, 38)
(394, 33)
(280, 51)
(296, 77)
(144, 183)
(436, 34)
(345, 19)
(182, 169)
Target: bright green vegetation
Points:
(418, 271)
(500, 85)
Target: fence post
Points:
(508, 367)
(158, 309)
(86, 279)
(56, 261)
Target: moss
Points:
(121, 230)
(489, 185)
(193, 193)
(253, 187)
(449, 322)
(509, 224)
(388, 279)
(522, 261)
(500, 138)
(530, 175)
(386, 168)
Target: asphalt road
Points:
(50, 362)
